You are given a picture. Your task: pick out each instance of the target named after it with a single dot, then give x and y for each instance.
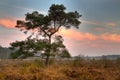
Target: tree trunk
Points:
(48, 54)
(47, 60)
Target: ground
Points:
(60, 70)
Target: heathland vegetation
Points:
(77, 69)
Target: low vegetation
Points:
(60, 70)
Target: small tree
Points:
(48, 25)
(64, 54)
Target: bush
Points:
(77, 62)
(39, 63)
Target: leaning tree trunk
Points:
(48, 54)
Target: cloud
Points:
(99, 29)
(92, 22)
(73, 34)
(79, 36)
(102, 24)
(112, 24)
(110, 37)
(8, 23)
(5, 42)
(11, 35)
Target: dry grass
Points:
(67, 70)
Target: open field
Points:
(60, 70)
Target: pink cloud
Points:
(110, 37)
(111, 24)
(76, 35)
(10, 36)
(73, 34)
(5, 42)
(9, 23)
(99, 29)
(89, 36)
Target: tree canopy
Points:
(50, 24)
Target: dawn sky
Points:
(99, 33)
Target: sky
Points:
(98, 34)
